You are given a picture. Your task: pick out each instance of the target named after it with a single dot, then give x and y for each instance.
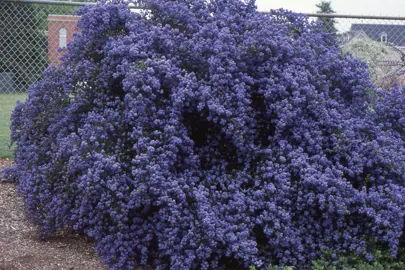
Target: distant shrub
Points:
(374, 53)
(204, 134)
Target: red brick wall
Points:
(55, 23)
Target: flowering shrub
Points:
(203, 134)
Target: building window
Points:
(384, 37)
(62, 38)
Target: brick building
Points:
(60, 32)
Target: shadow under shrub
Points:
(205, 134)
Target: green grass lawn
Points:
(7, 104)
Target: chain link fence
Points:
(31, 37)
(34, 34)
(379, 41)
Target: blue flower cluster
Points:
(205, 135)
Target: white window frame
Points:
(384, 37)
(62, 38)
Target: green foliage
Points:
(333, 261)
(7, 104)
(23, 43)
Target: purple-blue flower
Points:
(205, 135)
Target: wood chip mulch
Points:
(20, 247)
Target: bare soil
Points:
(20, 247)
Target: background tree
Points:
(328, 23)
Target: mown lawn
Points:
(7, 104)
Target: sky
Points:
(352, 7)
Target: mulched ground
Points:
(20, 248)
